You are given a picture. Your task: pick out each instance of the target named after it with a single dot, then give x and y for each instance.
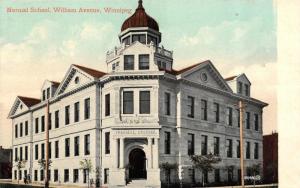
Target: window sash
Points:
(76, 146)
(128, 102)
(167, 142)
(203, 145)
(144, 102)
(167, 103)
(203, 109)
(191, 105)
(76, 112)
(107, 143)
(191, 144)
(56, 119)
(144, 62)
(107, 104)
(87, 108)
(128, 62)
(67, 115)
(87, 144)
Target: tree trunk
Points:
(202, 178)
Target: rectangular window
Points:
(87, 144)
(85, 177)
(66, 175)
(229, 116)
(246, 89)
(144, 62)
(191, 144)
(107, 143)
(203, 109)
(67, 115)
(41, 175)
(35, 175)
(256, 151)
(240, 87)
(44, 95)
(21, 129)
(217, 112)
(20, 174)
(230, 174)
(56, 149)
(107, 105)
(191, 106)
(16, 175)
(75, 175)
(36, 149)
(48, 93)
(26, 153)
(25, 172)
(76, 112)
(167, 142)
(229, 148)
(16, 130)
(50, 150)
(43, 151)
(67, 147)
(192, 175)
(140, 38)
(217, 175)
(167, 104)
(247, 120)
(238, 117)
(128, 62)
(76, 146)
(50, 121)
(56, 119)
(87, 108)
(256, 122)
(203, 145)
(43, 123)
(16, 154)
(238, 149)
(26, 128)
(128, 102)
(21, 153)
(36, 125)
(248, 149)
(144, 102)
(216, 145)
(55, 175)
(106, 175)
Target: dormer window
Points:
(129, 62)
(140, 38)
(246, 89)
(48, 92)
(44, 95)
(144, 62)
(240, 87)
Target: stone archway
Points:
(137, 164)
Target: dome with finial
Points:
(140, 19)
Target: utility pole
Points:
(241, 109)
(47, 146)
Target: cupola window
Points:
(144, 62)
(127, 40)
(129, 62)
(140, 38)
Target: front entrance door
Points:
(137, 164)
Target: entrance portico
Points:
(135, 156)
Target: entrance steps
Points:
(139, 183)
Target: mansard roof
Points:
(28, 101)
(92, 72)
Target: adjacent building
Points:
(270, 158)
(136, 115)
(5, 163)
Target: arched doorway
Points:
(137, 164)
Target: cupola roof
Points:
(140, 19)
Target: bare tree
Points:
(167, 167)
(20, 164)
(204, 163)
(86, 166)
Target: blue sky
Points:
(238, 36)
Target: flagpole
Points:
(47, 146)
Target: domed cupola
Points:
(140, 19)
(140, 27)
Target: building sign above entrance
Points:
(137, 133)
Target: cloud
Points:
(42, 54)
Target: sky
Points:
(237, 36)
